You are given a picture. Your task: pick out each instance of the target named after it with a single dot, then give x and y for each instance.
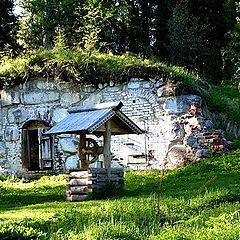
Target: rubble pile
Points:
(196, 139)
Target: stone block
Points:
(69, 145)
(12, 133)
(10, 97)
(16, 115)
(68, 98)
(180, 104)
(176, 155)
(44, 84)
(133, 85)
(59, 114)
(161, 91)
(72, 162)
(32, 98)
(3, 149)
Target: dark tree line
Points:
(199, 35)
(8, 27)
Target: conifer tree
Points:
(8, 27)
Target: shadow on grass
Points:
(11, 198)
(180, 183)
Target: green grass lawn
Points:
(200, 201)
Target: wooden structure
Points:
(93, 182)
(101, 120)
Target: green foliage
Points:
(20, 231)
(198, 202)
(11, 70)
(92, 25)
(188, 49)
(224, 99)
(78, 66)
(202, 36)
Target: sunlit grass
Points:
(200, 201)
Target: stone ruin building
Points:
(176, 132)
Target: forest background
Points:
(201, 36)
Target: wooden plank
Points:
(107, 148)
(81, 155)
(76, 198)
(80, 174)
(103, 170)
(79, 182)
(75, 190)
(105, 177)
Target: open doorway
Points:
(37, 150)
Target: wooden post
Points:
(81, 155)
(107, 148)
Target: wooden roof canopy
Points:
(92, 120)
(102, 119)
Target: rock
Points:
(32, 98)
(180, 104)
(59, 114)
(3, 161)
(93, 99)
(192, 140)
(146, 85)
(68, 99)
(3, 149)
(134, 85)
(11, 133)
(161, 91)
(4, 172)
(45, 84)
(100, 86)
(69, 145)
(176, 156)
(72, 162)
(111, 83)
(89, 88)
(202, 153)
(177, 131)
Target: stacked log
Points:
(101, 181)
(82, 184)
(79, 184)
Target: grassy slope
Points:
(82, 68)
(200, 201)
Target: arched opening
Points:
(37, 149)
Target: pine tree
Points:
(8, 28)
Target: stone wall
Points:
(150, 104)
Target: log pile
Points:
(82, 184)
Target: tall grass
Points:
(80, 66)
(198, 202)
